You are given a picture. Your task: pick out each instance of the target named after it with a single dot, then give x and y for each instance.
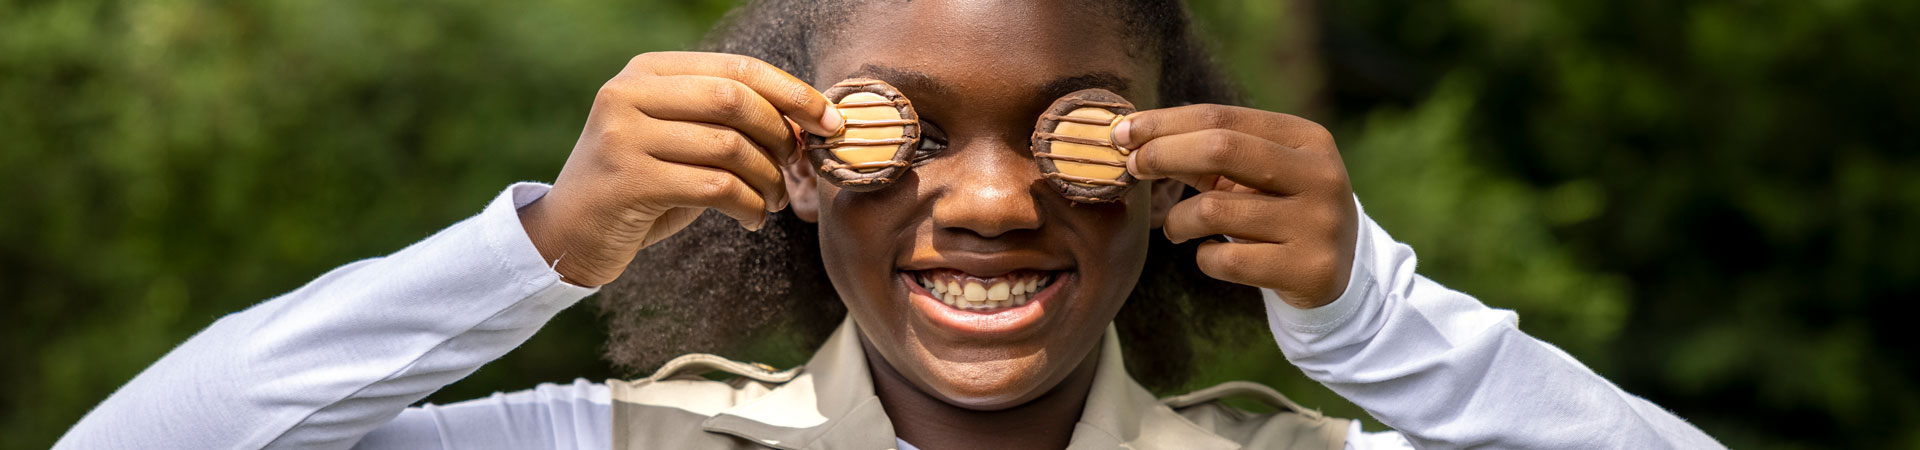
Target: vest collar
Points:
(831, 405)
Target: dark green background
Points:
(1713, 203)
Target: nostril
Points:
(983, 186)
(987, 211)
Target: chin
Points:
(990, 385)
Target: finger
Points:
(1241, 215)
(717, 101)
(1286, 129)
(1249, 263)
(1305, 276)
(791, 96)
(1243, 158)
(719, 147)
(687, 186)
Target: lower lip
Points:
(1005, 322)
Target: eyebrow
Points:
(919, 82)
(1060, 87)
(905, 79)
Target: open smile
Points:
(982, 306)
(962, 291)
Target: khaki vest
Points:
(829, 404)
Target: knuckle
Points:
(1316, 216)
(800, 95)
(1307, 135)
(607, 161)
(713, 188)
(641, 63)
(1320, 259)
(726, 140)
(641, 60)
(1231, 263)
(609, 133)
(728, 98)
(1211, 263)
(743, 67)
(1216, 116)
(741, 149)
(613, 91)
(1212, 211)
(1331, 177)
(1317, 135)
(1220, 148)
(1337, 227)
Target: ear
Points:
(802, 194)
(1166, 192)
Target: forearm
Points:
(325, 364)
(1448, 371)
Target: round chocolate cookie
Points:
(876, 147)
(1073, 145)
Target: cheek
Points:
(858, 235)
(1118, 239)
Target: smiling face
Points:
(977, 215)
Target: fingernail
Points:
(831, 121)
(1122, 133)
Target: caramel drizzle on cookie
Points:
(1080, 179)
(844, 142)
(1051, 136)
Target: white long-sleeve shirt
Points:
(336, 363)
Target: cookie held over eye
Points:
(876, 147)
(1072, 144)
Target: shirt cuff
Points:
(508, 237)
(1360, 291)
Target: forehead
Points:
(988, 52)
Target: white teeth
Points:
(999, 292)
(975, 292)
(978, 296)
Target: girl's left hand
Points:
(1273, 182)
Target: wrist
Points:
(550, 237)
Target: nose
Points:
(987, 192)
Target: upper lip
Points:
(988, 264)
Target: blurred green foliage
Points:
(1709, 202)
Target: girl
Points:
(335, 363)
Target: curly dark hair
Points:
(716, 287)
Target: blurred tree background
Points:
(1709, 202)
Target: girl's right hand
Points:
(675, 133)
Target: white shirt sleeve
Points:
(324, 365)
(551, 416)
(1446, 371)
